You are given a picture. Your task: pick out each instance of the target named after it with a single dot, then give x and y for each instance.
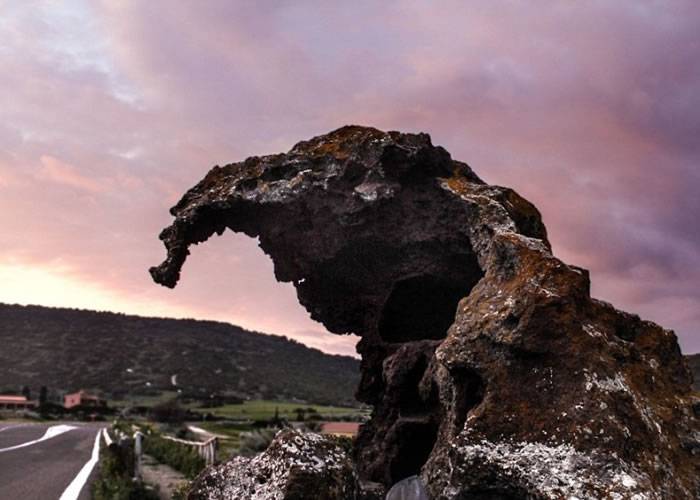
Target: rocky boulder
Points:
(491, 370)
(296, 466)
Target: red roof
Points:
(340, 428)
(12, 399)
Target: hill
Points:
(694, 364)
(121, 355)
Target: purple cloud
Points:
(112, 110)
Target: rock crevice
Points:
(484, 357)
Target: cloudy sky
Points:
(111, 110)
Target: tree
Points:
(26, 392)
(169, 412)
(43, 395)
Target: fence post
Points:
(207, 451)
(212, 450)
(138, 451)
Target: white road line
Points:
(51, 432)
(16, 426)
(10, 427)
(108, 438)
(76, 485)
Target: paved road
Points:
(47, 462)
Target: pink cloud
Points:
(588, 109)
(55, 170)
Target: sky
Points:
(111, 110)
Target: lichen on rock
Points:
(296, 466)
(490, 368)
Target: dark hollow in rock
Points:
(415, 440)
(422, 307)
(469, 391)
(491, 370)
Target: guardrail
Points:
(205, 449)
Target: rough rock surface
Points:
(491, 370)
(296, 466)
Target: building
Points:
(15, 403)
(82, 398)
(348, 429)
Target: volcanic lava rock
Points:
(296, 466)
(491, 370)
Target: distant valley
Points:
(123, 356)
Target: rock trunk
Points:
(491, 370)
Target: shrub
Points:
(345, 442)
(50, 409)
(180, 457)
(114, 478)
(182, 490)
(313, 425)
(169, 412)
(256, 441)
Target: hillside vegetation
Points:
(125, 356)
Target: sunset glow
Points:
(112, 110)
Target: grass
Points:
(143, 400)
(229, 434)
(227, 430)
(265, 410)
(239, 418)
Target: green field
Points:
(266, 409)
(139, 400)
(229, 436)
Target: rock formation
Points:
(491, 370)
(296, 466)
